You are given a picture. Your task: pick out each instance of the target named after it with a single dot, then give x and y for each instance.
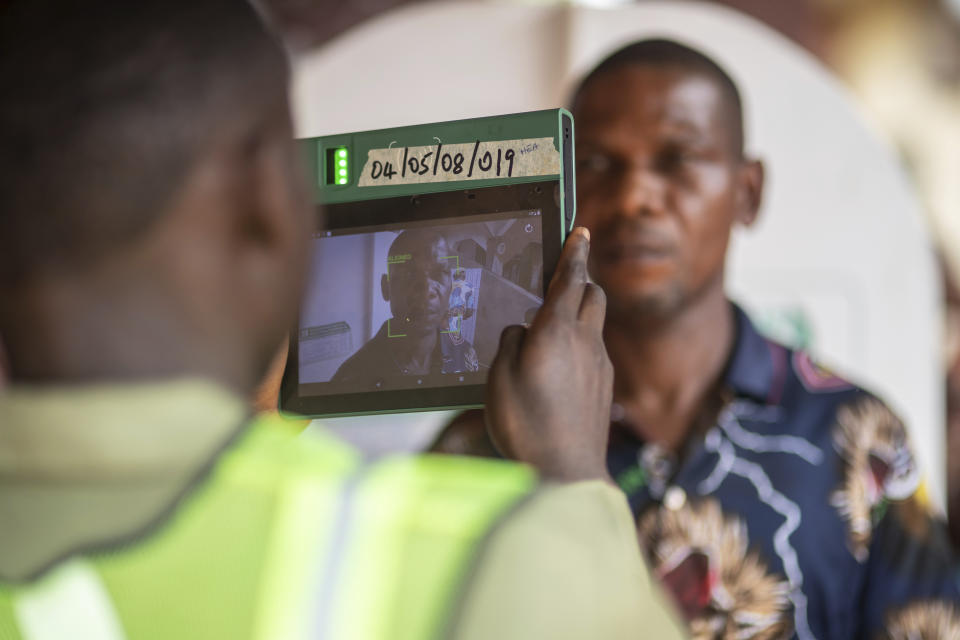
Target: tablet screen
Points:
(411, 294)
(423, 303)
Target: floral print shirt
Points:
(799, 512)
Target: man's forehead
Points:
(420, 246)
(641, 98)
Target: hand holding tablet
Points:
(550, 387)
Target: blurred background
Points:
(853, 104)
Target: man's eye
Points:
(673, 159)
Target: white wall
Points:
(345, 264)
(840, 239)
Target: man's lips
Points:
(634, 253)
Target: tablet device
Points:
(430, 240)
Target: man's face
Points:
(293, 225)
(419, 281)
(657, 180)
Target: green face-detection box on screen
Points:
(431, 240)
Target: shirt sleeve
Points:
(908, 586)
(567, 564)
(911, 577)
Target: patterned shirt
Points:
(798, 512)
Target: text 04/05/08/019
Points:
(462, 161)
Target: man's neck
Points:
(666, 367)
(59, 335)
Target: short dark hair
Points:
(106, 105)
(421, 237)
(668, 53)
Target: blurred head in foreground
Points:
(150, 194)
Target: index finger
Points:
(565, 291)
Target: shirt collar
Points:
(756, 366)
(118, 454)
(144, 430)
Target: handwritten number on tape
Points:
(465, 161)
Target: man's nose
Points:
(641, 192)
(425, 288)
(433, 289)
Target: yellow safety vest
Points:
(284, 538)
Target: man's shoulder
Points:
(808, 396)
(369, 360)
(808, 377)
(786, 381)
(589, 526)
(273, 447)
(359, 364)
(862, 445)
(809, 400)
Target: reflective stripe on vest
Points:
(69, 603)
(410, 532)
(353, 552)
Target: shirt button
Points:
(674, 498)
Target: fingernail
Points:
(584, 232)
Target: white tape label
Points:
(464, 161)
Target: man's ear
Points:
(276, 210)
(749, 191)
(267, 209)
(385, 287)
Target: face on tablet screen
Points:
(417, 304)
